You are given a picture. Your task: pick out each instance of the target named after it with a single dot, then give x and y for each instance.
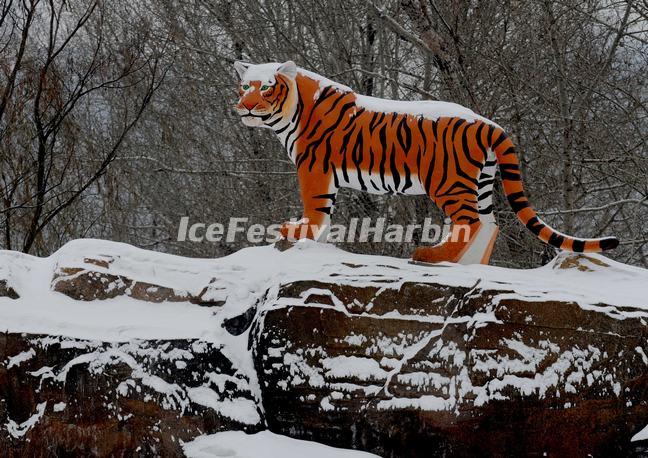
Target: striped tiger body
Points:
(338, 138)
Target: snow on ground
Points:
(237, 444)
(243, 278)
(252, 276)
(641, 435)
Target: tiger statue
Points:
(338, 138)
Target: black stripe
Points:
(331, 128)
(345, 142)
(382, 137)
(469, 208)
(578, 246)
(483, 183)
(609, 243)
(518, 201)
(458, 123)
(296, 115)
(356, 156)
(373, 119)
(283, 87)
(480, 145)
(408, 181)
(444, 165)
(535, 225)
(381, 169)
(326, 210)
(486, 195)
(556, 240)
(383, 143)
(509, 172)
(445, 154)
(313, 130)
(282, 129)
(394, 170)
(381, 117)
(422, 131)
(352, 118)
(462, 189)
(371, 158)
(448, 202)
(404, 135)
(499, 140)
(327, 154)
(466, 150)
(335, 102)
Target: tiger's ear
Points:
(241, 68)
(288, 68)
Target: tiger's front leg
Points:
(318, 197)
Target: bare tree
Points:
(68, 63)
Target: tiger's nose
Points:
(249, 105)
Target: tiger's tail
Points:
(509, 167)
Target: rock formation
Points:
(110, 349)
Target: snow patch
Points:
(424, 108)
(20, 358)
(239, 409)
(641, 435)
(18, 430)
(59, 407)
(237, 444)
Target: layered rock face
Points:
(111, 350)
(451, 371)
(62, 396)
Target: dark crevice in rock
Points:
(240, 323)
(7, 291)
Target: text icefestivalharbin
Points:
(356, 231)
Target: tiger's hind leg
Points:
(473, 234)
(456, 245)
(481, 247)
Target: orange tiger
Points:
(338, 138)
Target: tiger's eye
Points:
(264, 87)
(245, 87)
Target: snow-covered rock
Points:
(237, 444)
(112, 348)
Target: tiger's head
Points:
(266, 92)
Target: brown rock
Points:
(88, 285)
(88, 398)
(367, 356)
(431, 370)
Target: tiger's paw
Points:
(301, 230)
(476, 249)
(433, 254)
